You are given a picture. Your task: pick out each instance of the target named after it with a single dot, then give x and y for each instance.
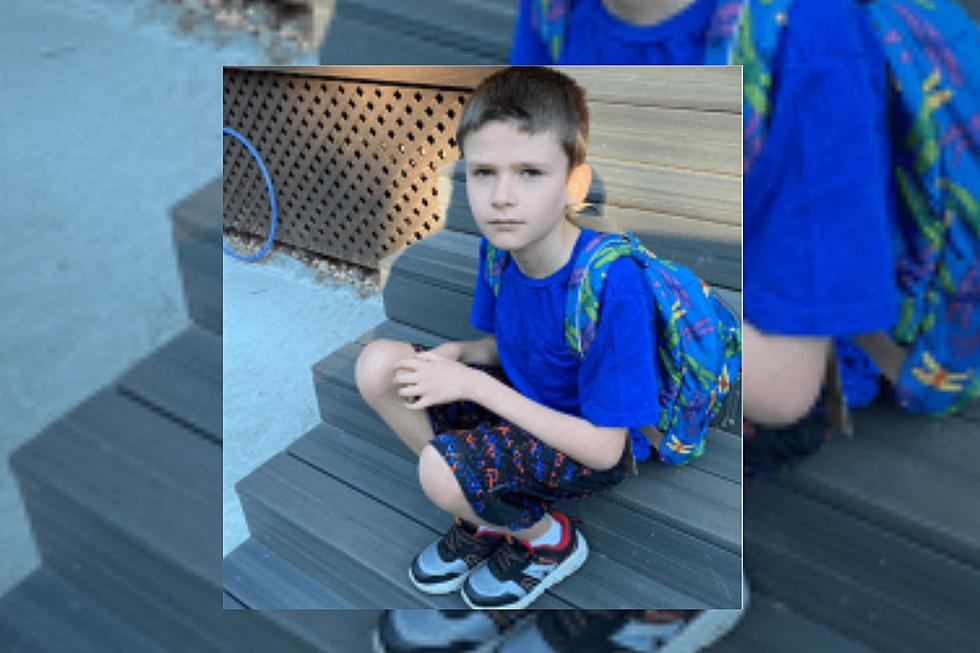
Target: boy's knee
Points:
(376, 365)
(438, 481)
(783, 376)
(790, 409)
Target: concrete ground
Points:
(108, 117)
(279, 320)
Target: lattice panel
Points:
(354, 164)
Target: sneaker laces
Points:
(457, 537)
(512, 552)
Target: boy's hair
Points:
(537, 99)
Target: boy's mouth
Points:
(505, 223)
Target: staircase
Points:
(123, 495)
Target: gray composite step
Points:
(340, 536)
(691, 499)
(636, 559)
(712, 250)
(431, 284)
(182, 380)
(116, 492)
(768, 626)
(872, 584)
(875, 532)
(259, 579)
(702, 498)
(45, 614)
(256, 579)
(379, 32)
(906, 473)
(197, 221)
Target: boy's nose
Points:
(503, 194)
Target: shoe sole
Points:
(560, 573)
(377, 646)
(445, 587)
(708, 627)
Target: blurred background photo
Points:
(109, 534)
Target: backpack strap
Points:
(548, 19)
(748, 33)
(494, 261)
(585, 285)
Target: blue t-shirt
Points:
(616, 383)
(818, 256)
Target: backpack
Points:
(932, 355)
(698, 339)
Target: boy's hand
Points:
(427, 379)
(452, 350)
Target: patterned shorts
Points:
(509, 477)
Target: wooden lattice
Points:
(354, 164)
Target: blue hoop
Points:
(272, 200)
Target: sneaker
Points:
(443, 566)
(694, 632)
(602, 631)
(434, 631)
(518, 573)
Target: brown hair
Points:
(537, 99)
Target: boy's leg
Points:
(503, 475)
(442, 488)
(782, 375)
(375, 373)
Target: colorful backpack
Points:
(932, 356)
(698, 338)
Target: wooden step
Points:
(330, 531)
(182, 380)
(877, 533)
(45, 614)
(117, 490)
(258, 579)
(873, 585)
(719, 467)
(691, 498)
(712, 249)
(909, 474)
(643, 561)
(197, 239)
(376, 32)
(770, 627)
(116, 495)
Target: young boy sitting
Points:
(497, 447)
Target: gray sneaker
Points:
(437, 631)
(443, 566)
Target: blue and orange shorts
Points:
(510, 477)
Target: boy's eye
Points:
(482, 172)
(530, 172)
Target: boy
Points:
(817, 245)
(498, 446)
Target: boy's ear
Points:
(579, 180)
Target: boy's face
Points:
(516, 183)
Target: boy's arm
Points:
(433, 377)
(471, 352)
(599, 447)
